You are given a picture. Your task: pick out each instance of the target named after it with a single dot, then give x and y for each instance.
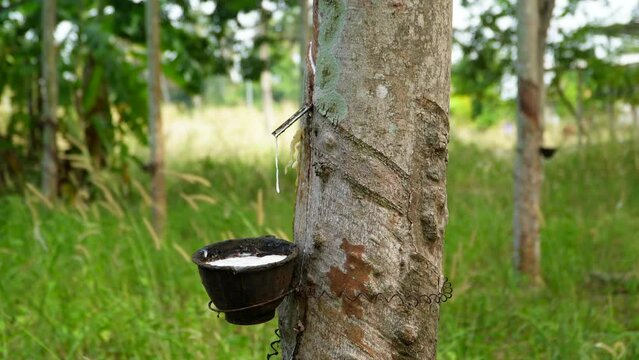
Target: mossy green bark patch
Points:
(328, 71)
(333, 18)
(332, 105)
(329, 101)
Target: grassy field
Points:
(90, 281)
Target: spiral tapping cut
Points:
(445, 293)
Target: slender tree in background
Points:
(635, 120)
(533, 21)
(371, 200)
(266, 78)
(580, 110)
(49, 93)
(94, 110)
(611, 115)
(156, 137)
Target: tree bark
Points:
(49, 90)
(635, 120)
(371, 200)
(155, 117)
(99, 132)
(266, 78)
(635, 124)
(249, 93)
(610, 110)
(533, 21)
(545, 8)
(581, 131)
(303, 44)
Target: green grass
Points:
(591, 213)
(91, 284)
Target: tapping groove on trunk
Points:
(529, 100)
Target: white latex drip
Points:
(277, 169)
(310, 56)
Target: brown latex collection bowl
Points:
(259, 289)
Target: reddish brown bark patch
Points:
(529, 100)
(355, 335)
(350, 282)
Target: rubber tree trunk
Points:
(156, 138)
(266, 78)
(533, 20)
(303, 44)
(371, 199)
(49, 91)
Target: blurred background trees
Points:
(215, 52)
(100, 52)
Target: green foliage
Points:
(286, 78)
(274, 33)
(220, 90)
(603, 80)
(587, 212)
(630, 29)
(488, 53)
(102, 66)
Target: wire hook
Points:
(290, 121)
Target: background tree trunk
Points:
(635, 120)
(155, 116)
(49, 91)
(545, 8)
(635, 133)
(612, 121)
(581, 131)
(99, 132)
(533, 21)
(371, 201)
(266, 78)
(249, 93)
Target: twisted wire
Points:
(274, 351)
(415, 300)
(410, 300)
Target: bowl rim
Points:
(196, 258)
